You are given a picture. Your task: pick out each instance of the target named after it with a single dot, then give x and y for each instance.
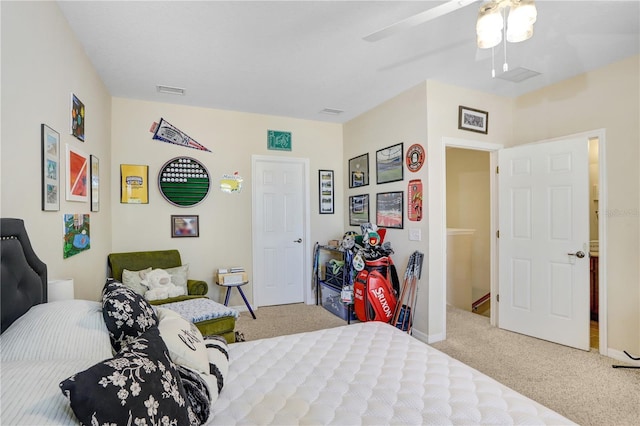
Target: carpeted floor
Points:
(285, 319)
(577, 384)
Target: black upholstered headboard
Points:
(24, 276)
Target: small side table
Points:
(239, 287)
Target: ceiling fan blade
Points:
(420, 18)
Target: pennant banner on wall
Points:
(166, 132)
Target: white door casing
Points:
(279, 220)
(543, 217)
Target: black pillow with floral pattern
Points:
(139, 385)
(126, 314)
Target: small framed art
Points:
(473, 120)
(50, 140)
(358, 209)
(389, 164)
(77, 117)
(77, 174)
(325, 179)
(185, 226)
(359, 171)
(95, 184)
(389, 209)
(134, 184)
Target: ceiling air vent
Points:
(332, 111)
(170, 90)
(518, 74)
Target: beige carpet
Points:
(579, 385)
(285, 319)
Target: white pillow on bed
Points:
(132, 280)
(208, 356)
(184, 341)
(67, 329)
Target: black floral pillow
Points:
(138, 386)
(126, 314)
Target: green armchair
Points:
(165, 259)
(162, 259)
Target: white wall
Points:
(442, 118)
(42, 64)
(225, 219)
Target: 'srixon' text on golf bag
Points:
(375, 295)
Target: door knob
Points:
(579, 254)
(299, 240)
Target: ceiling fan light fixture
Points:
(518, 34)
(522, 13)
(489, 18)
(489, 26)
(489, 39)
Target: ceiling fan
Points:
(492, 26)
(420, 18)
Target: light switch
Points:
(415, 234)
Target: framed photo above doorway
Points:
(473, 120)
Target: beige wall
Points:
(400, 119)
(469, 207)
(607, 98)
(225, 219)
(443, 101)
(42, 64)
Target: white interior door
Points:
(544, 241)
(279, 186)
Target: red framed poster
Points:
(414, 198)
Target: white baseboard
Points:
(426, 338)
(621, 356)
(243, 308)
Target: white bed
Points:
(366, 373)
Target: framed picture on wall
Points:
(77, 117)
(50, 140)
(473, 120)
(390, 209)
(389, 164)
(134, 184)
(185, 226)
(359, 171)
(358, 209)
(95, 184)
(325, 179)
(77, 174)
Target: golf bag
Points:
(376, 290)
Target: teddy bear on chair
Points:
(158, 281)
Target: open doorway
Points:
(438, 234)
(468, 217)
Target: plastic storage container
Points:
(332, 302)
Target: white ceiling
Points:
(296, 58)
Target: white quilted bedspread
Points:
(366, 373)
